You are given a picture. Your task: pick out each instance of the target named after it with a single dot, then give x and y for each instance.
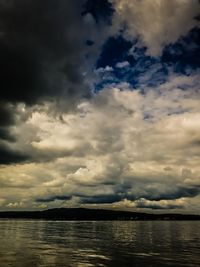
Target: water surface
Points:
(86, 244)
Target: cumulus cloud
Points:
(156, 23)
(122, 148)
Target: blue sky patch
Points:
(129, 63)
(115, 50)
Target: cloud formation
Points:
(42, 58)
(120, 147)
(156, 23)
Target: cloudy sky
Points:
(99, 104)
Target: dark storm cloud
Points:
(149, 200)
(157, 195)
(101, 199)
(40, 49)
(5, 134)
(7, 118)
(174, 193)
(9, 156)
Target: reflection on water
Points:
(85, 244)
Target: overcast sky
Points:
(100, 104)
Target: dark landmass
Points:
(81, 214)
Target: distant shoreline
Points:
(82, 214)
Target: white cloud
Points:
(123, 64)
(102, 70)
(157, 22)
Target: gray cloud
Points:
(52, 198)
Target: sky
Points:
(99, 105)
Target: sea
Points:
(32, 243)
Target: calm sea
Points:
(85, 244)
